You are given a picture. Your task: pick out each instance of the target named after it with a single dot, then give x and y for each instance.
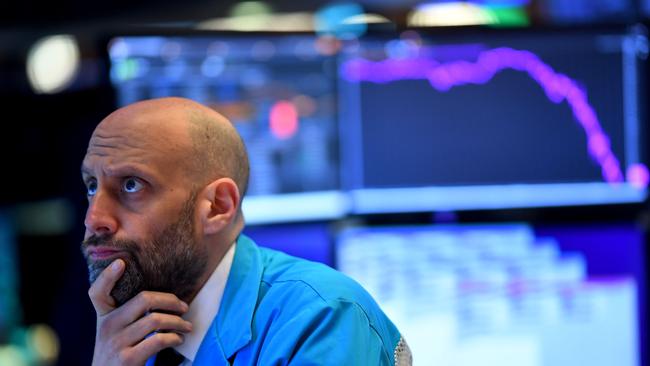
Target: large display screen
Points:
(278, 91)
(493, 120)
(413, 121)
(507, 295)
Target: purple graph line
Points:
(558, 87)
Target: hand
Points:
(128, 335)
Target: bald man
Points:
(173, 280)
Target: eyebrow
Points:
(85, 171)
(122, 170)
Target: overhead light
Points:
(449, 14)
(53, 63)
(251, 15)
(250, 8)
(284, 22)
(366, 18)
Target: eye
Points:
(132, 185)
(91, 187)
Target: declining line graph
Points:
(557, 87)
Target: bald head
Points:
(192, 136)
(217, 150)
(164, 180)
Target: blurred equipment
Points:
(19, 346)
(9, 303)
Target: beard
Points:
(171, 261)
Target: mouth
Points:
(103, 253)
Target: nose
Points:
(100, 217)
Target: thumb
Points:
(100, 291)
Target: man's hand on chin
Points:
(143, 326)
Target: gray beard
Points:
(172, 261)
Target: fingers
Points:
(153, 322)
(139, 354)
(147, 301)
(100, 291)
(156, 343)
(135, 331)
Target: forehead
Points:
(127, 138)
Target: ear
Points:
(218, 205)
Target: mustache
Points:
(109, 241)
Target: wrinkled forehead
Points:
(154, 138)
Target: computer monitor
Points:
(418, 122)
(278, 90)
(495, 119)
(506, 294)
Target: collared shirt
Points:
(205, 307)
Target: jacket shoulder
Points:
(291, 285)
(288, 274)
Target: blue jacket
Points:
(279, 310)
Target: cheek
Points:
(138, 230)
(196, 226)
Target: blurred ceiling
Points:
(47, 14)
(20, 14)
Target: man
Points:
(165, 179)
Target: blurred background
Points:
(480, 167)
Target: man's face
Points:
(171, 261)
(140, 209)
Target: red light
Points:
(283, 119)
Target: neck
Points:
(217, 249)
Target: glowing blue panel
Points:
(491, 197)
(308, 206)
